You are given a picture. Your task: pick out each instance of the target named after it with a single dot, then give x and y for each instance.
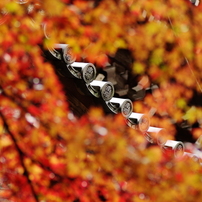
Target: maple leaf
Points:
(54, 156)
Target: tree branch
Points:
(26, 173)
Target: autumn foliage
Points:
(49, 155)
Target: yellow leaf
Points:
(5, 142)
(13, 7)
(53, 7)
(191, 115)
(120, 43)
(154, 154)
(138, 68)
(181, 103)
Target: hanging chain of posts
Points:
(92, 84)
